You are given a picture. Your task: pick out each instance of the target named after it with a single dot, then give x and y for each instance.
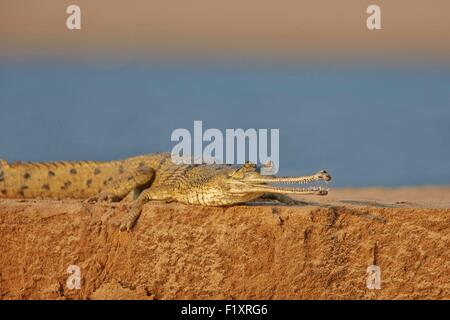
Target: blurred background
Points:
(370, 106)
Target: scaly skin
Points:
(146, 178)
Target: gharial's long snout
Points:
(274, 184)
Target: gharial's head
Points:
(219, 185)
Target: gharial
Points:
(149, 177)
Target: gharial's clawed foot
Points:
(127, 225)
(130, 219)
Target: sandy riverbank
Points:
(270, 251)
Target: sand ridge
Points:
(317, 251)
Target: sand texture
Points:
(317, 251)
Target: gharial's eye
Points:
(240, 172)
(250, 166)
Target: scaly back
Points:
(65, 179)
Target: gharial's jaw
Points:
(268, 184)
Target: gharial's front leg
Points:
(120, 188)
(135, 211)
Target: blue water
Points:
(369, 126)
